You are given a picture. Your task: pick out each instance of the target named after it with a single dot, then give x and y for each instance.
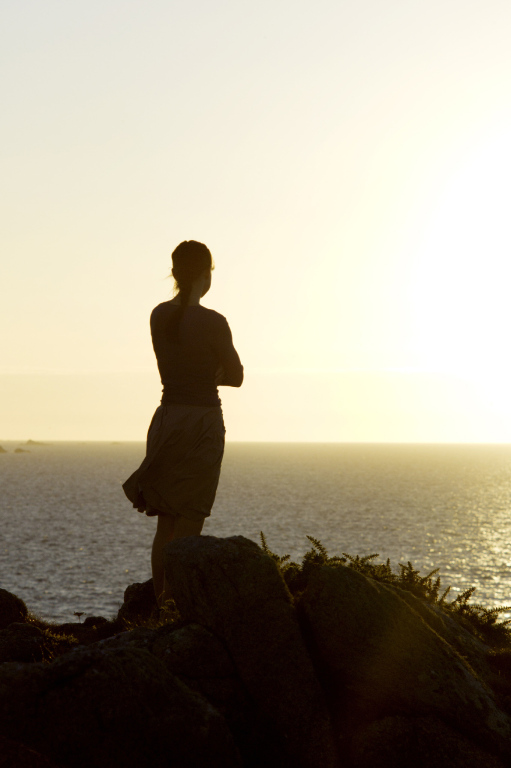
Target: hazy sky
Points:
(347, 163)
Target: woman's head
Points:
(190, 261)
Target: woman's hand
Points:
(219, 375)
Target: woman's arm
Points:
(230, 370)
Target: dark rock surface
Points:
(202, 662)
(235, 590)
(463, 641)
(348, 673)
(401, 742)
(15, 755)
(139, 602)
(380, 658)
(112, 707)
(22, 642)
(12, 609)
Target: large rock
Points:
(115, 707)
(462, 640)
(12, 609)
(22, 642)
(204, 664)
(139, 602)
(379, 658)
(201, 660)
(15, 755)
(402, 742)
(235, 590)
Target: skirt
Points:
(180, 473)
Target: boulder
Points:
(139, 602)
(379, 658)
(22, 642)
(402, 742)
(2, 449)
(115, 707)
(93, 622)
(462, 640)
(12, 609)
(202, 661)
(15, 755)
(233, 589)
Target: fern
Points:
(483, 622)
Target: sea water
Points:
(71, 542)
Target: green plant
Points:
(481, 621)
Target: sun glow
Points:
(461, 302)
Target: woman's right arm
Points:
(231, 373)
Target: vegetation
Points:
(483, 622)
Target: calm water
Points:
(70, 541)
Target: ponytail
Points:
(189, 260)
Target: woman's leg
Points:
(168, 529)
(164, 532)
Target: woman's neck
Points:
(200, 286)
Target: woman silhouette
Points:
(178, 478)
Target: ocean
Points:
(71, 542)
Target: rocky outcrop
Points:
(235, 590)
(202, 662)
(347, 672)
(115, 707)
(11, 609)
(15, 755)
(22, 642)
(139, 603)
(379, 658)
(405, 742)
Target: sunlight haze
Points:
(347, 163)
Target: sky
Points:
(348, 163)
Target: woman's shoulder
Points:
(163, 310)
(165, 306)
(212, 315)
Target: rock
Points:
(21, 450)
(27, 643)
(2, 449)
(203, 663)
(401, 742)
(139, 602)
(379, 658)
(232, 588)
(91, 622)
(115, 707)
(15, 755)
(12, 609)
(22, 642)
(462, 640)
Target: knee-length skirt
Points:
(180, 473)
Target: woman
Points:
(178, 478)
